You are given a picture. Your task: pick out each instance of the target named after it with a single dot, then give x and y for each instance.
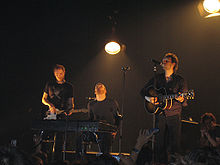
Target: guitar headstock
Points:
(190, 94)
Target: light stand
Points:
(124, 69)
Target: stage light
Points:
(209, 8)
(112, 48)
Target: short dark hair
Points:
(58, 66)
(100, 85)
(174, 59)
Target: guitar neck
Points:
(78, 110)
(168, 97)
(173, 96)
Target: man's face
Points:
(167, 63)
(100, 89)
(59, 74)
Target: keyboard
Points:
(72, 126)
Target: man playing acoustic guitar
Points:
(168, 110)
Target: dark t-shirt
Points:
(174, 86)
(60, 94)
(106, 110)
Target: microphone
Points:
(90, 98)
(125, 68)
(156, 62)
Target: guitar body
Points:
(152, 92)
(165, 102)
(53, 116)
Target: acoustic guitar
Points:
(164, 101)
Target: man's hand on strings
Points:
(153, 100)
(52, 109)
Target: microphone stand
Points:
(154, 114)
(124, 69)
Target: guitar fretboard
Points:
(167, 97)
(187, 95)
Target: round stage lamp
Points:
(211, 6)
(112, 48)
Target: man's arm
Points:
(205, 135)
(71, 107)
(183, 88)
(72, 96)
(70, 100)
(211, 140)
(45, 101)
(142, 139)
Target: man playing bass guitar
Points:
(168, 111)
(58, 95)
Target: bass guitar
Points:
(53, 116)
(163, 101)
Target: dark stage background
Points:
(38, 34)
